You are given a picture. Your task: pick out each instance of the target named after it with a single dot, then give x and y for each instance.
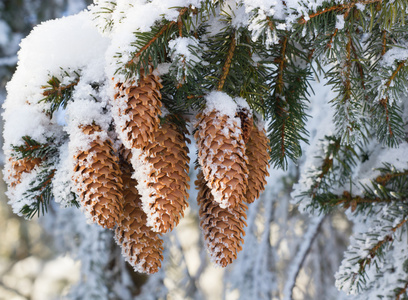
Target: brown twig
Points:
(329, 44)
(399, 67)
(384, 101)
(383, 180)
(348, 201)
(60, 89)
(359, 66)
(281, 60)
(160, 33)
(339, 7)
(227, 65)
(372, 253)
(384, 42)
(402, 291)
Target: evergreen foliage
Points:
(266, 57)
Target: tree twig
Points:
(301, 255)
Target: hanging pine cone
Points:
(20, 166)
(138, 110)
(223, 228)
(258, 162)
(141, 247)
(221, 154)
(168, 156)
(98, 180)
(247, 123)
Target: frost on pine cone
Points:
(20, 166)
(141, 247)
(138, 109)
(257, 151)
(98, 179)
(223, 228)
(168, 180)
(221, 154)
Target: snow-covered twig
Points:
(301, 255)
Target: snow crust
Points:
(222, 103)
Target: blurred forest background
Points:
(285, 252)
(30, 267)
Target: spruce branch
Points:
(227, 65)
(152, 45)
(384, 42)
(388, 90)
(366, 261)
(287, 100)
(334, 170)
(402, 291)
(32, 149)
(387, 188)
(369, 249)
(336, 8)
(58, 94)
(40, 194)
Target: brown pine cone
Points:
(223, 228)
(20, 166)
(258, 162)
(138, 110)
(168, 180)
(221, 154)
(98, 180)
(247, 123)
(141, 247)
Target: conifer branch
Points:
(325, 167)
(347, 73)
(400, 65)
(359, 66)
(39, 195)
(33, 149)
(58, 94)
(155, 37)
(340, 7)
(349, 201)
(279, 91)
(180, 25)
(271, 24)
(384, 101)
(384, 179)
(384, 42)
(402, 291)
(228, 61)
(329, 44)
(364, 262)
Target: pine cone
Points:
(221, 154)
(20, 166)
(168, 156)
(247, 123)
(141, 247)
(258, 162)
(138, 110)
(223, 228)
(98, 180)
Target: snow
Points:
(222, 103)
(393, 55)
(340, 22)
(80, 44)
(181, 45)
(39, 53)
